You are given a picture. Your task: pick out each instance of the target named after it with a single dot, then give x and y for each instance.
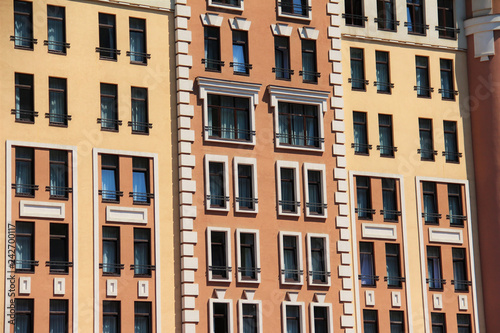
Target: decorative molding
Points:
(24, 285)
(111, 287)
(379, 231)
(437, 301)
(280, 29)
(482, 29)
(369, 297)
(211, 19)
(142, 288)
(396, 299)
(463, 304)
(59, 286)
(239, 23)
(308, 33)
(52, 210)
(126, 214)
(443, 235)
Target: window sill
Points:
(294, 16)
(317, 149)
(246, 211)
(317, 216)
(231, 141)
(216, 209)
(291, 283)
(249, 281)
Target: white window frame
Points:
(218, 159)
(257, 254)
(329, 311)
(326, 256)
(299, 96)
(229, 88)
(240, 314)
(253, 163)
(241, 7)
(300, 261)
(296, 17)
(302, 306)
(322, 169)
(227, 231)
(288, 165)
(229, 304)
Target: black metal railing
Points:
(24, 40)
(241, 67)
(24, 115)
(107, 53)
(390, 215)
(309, 76)
(59, 266)
(435, 283)
(427, 152)
(461, 284)
(355, 19)
(110, 195)
(249, 273)
(448, 93)
(217, 197)
(383, 86)
(394, 280)
(291, 137)
(416, 28)
(316, 207)
(431, 217)
(141, 196)
(368, 280)
(25, 189)
(364, 211)
(424, 91)
(61, 45)
(362, 146)
(358, 83)
(58, 118)
(220, 272)
(385, 24)
(234, 133)
(319, 276)
(58, 191)
(109, 123)
(289, 205)
(139, 55)
(387, 148)
(292, 274)
(140, 127)
(447, 32)
(26, 265)
(247, 202)
(142, 270)
(283, 73)
(111, 268)
(452, 154)
(212, 64)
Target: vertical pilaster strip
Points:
(187, 186)
(346, 296)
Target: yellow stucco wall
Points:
(84, 72)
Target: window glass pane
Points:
(212, 48)
(366, 264)
(23, 22)
(137, 40)
(320, 319)
(56, 28)
(247, 249)
(434, 267)
(315, 192)
(288, 189)
(357, 69)
(393, 265)
(397, 321)
(111, 316)
(360, 135)
(58, 316)
(318, 259)
(245, 186)
(298, 125)
(363, 197)
(219, 254)
(249, 318)
(142, 317)
(142, 256)
(110, 249)
(293, 319)
(139, 110)
(24, 171)
(24, 246)
(24, 315)
(370, 321)
(385, 135)
(58, 247)
(220, 317)
(290, 258)
(217, 186)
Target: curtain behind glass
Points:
(24, 172)
(382, 59)
(58, 322)
(139, 110)
(23, 30)
(227, 117)
(298, 130)
(370, 321)
(290, 260)
(366, 264)
(142, 321)
(314, 189)
(317, 258)
(242, 119)
(109, 249)
(454, 203)
(249, 318)
(137, 40)
(110, 323)
(58, 172)
(141, 251)
(217, 195)
(109, 184)
(397, 320)
(288, 189)
(320, 319)
(108, 106)
(422, 76)
(463, 321)
(56, 28)
(385, 134)
(434, 267)
(363, 197)
(392, 264)
(293, 319)
(309, 60)
(57, 97)
(459, 272)
(247, 255)
(312, 138)
(140, 186)
(283, 122)
(245, 185)
(389, 198)
(357, 70)
(450, 140)
(446, 78)
(24, 248)
(23, 322)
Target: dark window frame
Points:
(142, 56)
(358, 83)
(367, 213)
(114, 120)
(115, 242)
(425, 128)
(253, 315)
(455, 193)
(384, 22)
(59, 313)
(219, 272)
(308, 47)
(286, 111)
(114, 314)
(147, 267)
(383, 87)
(322, 251)
(59, 192)
(368, 280)
(296, 276)
(31, 236)
(447, 73)
(451, 134)
(24, 115)
(389, 186)
(106, 50)
(435, 284)
(459, 255)
(389, 253)
(139, 197)
(30, 41)
(354, 13)
(282, 51)
(218, 176)
(58, 47)
(423, 91)
(367, 321)
(290, 318)
(148, 314)
(284, 179)
(137, 126)
(29, 313)
(386, 151)
(440, 321)
(116, 169)
(399, 322)
(416, 25)
(432, 218)
(29, 187)
(360, 148)
(212, 42)
(244, 202)
(240, 39)
(215, 114)
(59, 267)
(446, 19)
(248, 273)
(55, 119)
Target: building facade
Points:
(87, 139)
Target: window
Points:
(367, 264)
(455, 205)
(142, 252)
(58, 105)
(142, 319)
(360, 144)
(463, 322)
(140, 123)
(240, 52)
(229, 118)
(370, 321)
(212, 49)
(216, 182)
(288, 188)
(245, 184)
(426, 150)
(450, 141)
(363, 198)
(321, 318)
(58, 174)
(386, 18)
(250, 316)
(248, 252)
(315, 190)
(430, 203)
(25, 247)
(59, 315)
(383, 82)
(434, 267)
(138, 53)
(390, 199)
(25, 105)
(318, 256)
(282, 57)
(107, 37)
(397, 321)
(23, 25)
(298, 125)
(140, 180)
(222, 3)
(446, 19)
(416, 17)
(423, 86)
(111, 316)
(386, 146)
(221, 316)
(24, 315)
(354, 13)
(309, 70)
(25, 172)
(59, 262)
(56, 29)
(109, 178)
(460, 269)
(438, 322)
(447, 86)
(294, 321)
(219, 254)
(357, 78)
(109, 107)
(111, 251)
(295, 8)
(291, 258)
(392, 261)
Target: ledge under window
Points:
(227, 4)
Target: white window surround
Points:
(299, 96)
(302, 307)
(300, 261)
(256, 250)
(218, 159)
(321, 168)
(326, 256)
(227, 232)
(229, 88)
(329, 311)
(229, 304)
(288, 165)
(253, 163)
(297, 17)
(240, 314)
(212, 3)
